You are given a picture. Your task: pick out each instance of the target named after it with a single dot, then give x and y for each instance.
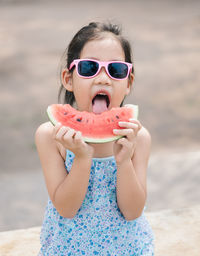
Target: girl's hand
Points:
(124, 148)
(72, 140)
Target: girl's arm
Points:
(132, 161)
(66, 190)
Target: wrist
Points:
(124, 162)
(85, 157)
(82, 163)
(85, 154)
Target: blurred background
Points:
(165, 36)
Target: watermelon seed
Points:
(117, 117)
(79, 119)
(65, 113)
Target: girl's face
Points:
(85, 89)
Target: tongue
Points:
(99, 105)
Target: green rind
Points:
(135, 108)
(51, 117)
(97, 140)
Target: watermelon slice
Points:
(95, 128)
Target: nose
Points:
(102, 77)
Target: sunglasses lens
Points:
(87, 68)
(118, 70)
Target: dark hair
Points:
(88, 33)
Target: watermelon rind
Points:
(96, 140)
(135, 108)
(50, 115)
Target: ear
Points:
(66, 77)
(130, 82)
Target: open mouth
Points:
(100, 103)
(101, 97)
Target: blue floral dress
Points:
(99, 227)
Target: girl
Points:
(97, 192)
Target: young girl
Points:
(97, 192)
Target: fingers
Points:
(130, 129)
(126, 147)
(133, 124)
(67, 135)
(56, 128)
(129, 133)
(60, 131)
(78, 138)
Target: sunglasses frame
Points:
(101, 64)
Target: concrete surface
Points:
(177, 233)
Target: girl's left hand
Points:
(124, 147)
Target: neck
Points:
(103, 149)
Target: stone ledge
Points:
(177, 233)
(22, 242)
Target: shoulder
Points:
(143, 145)
(44, 132)
(144, 135)
(44, 139)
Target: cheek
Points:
(81, 91)
(79, 85)
(120, 92)
(118, 98)
(123, 89)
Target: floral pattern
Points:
(99, 227)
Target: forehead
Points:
(104, 48)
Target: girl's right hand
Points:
(72, 140)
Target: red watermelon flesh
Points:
(94, 128)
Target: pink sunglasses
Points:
(89, 68)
